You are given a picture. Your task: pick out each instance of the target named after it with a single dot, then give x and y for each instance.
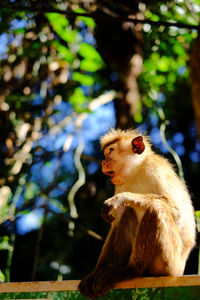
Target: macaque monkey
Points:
(151, 215)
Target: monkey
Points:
(151, 215)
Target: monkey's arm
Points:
(137, 201)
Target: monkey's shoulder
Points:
(159, 165)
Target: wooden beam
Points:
(72, 285)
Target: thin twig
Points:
(170, 149)
(69, 219)
(10, 256)
(79, 182)
(38, 243)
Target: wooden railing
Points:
(182, 287)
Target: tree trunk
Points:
(195, 77)
(121, 49)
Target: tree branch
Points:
(98, 16)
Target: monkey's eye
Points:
(111, 149)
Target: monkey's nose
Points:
(104, 166)
(106, 170)
(103, 163)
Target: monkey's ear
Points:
(138, 145)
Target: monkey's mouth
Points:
(111, 174)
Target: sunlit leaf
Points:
(155, 56)
(31, 191)
(171, 77)
(60, 25)
(160, 79)
(4, 243)
(2, 277)
(64, 52)
(57, 19)
(83, 78)
(163, 64)
(178, 49)
(90, 65)
(19, 31)
(68, 35)
(148, 101)
(88, 21)
(58, 205)
(77, 99)
(138, 118)
(24, 212)
(197, 216)
(88, 51)
(155, 18)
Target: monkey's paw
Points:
(85, 287)
(106, 213)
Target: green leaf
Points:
(171, 79)
(197, 216)
(31, 191)
(60, 25)
(83, 78)
(148, 101)
(178, 49)
(68, 35)
(24, 212)
(2, 277)
(88, 51)
(90, 65)
(58, 205)
(138, 113)
(138, 118)
(19, 31)
(77, 99)
(4, 243)
(155, 18)
(87, 20)
(64, 52)
(163, 64)
(57, 19)
(159, 79)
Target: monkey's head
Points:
(124, 151)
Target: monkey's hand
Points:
(106, 213)
(116, 201)
(110, 207)
(122, 200)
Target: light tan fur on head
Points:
(118, 134)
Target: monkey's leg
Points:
(119, 245)
(143, 250)
(158, 247)
(115, 254)
(146, 244)
(105, 258)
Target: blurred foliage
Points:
(52, 70)
(48, 70)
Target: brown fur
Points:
(151, 214)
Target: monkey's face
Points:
(116, 161)
(122, 157)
